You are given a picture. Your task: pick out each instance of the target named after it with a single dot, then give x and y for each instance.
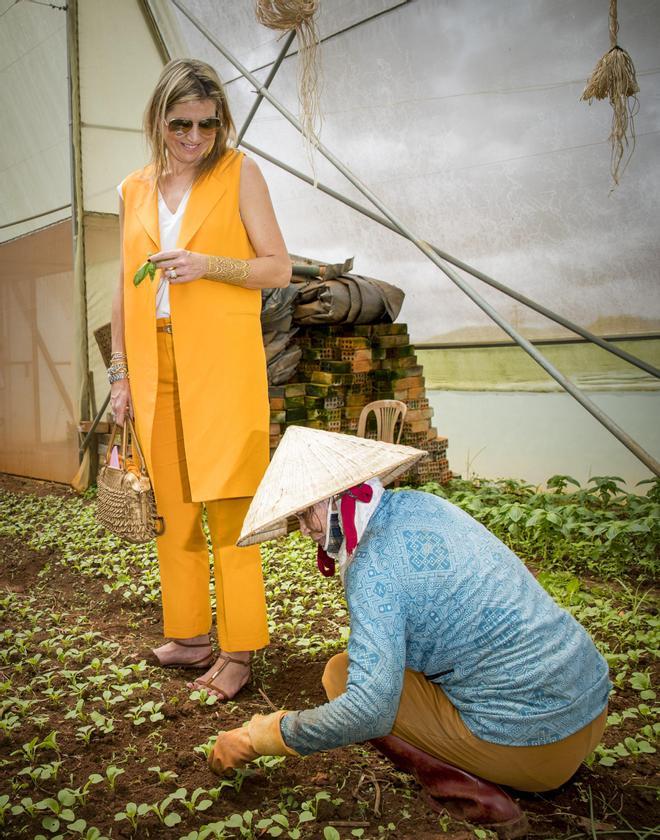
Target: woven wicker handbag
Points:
(125, 503)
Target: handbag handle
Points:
(128, 429)
(111, 442)
(135, 444)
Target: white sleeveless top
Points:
(169, 225)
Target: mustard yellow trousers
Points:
(183, 554)
(427, 720)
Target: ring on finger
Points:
(172, 273)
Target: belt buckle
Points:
(168, 328)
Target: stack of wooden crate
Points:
(345, 367)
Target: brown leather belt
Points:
(166, 328)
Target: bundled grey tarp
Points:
(320, 293)
(277, 308)
(282, 358)
(282, 366)
(349, 299)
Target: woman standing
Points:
(188, 360)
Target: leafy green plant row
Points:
(599, 528)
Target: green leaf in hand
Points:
(146, 268)
(141, 273)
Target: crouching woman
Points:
(460, 667)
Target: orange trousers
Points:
(183, 553)
(427, 720)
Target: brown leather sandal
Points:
(199, 664)
(219, 692)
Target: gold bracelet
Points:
(227, 270)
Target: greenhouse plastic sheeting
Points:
(37, 430)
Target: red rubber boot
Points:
(448, 788)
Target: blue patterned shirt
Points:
(432, 590)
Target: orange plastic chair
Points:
(388, 414)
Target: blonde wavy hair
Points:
(186, 80)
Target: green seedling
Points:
(159, 745)
(20, 706)
(143, 711)
(43, 773)
(214, 830)
(9, 723)
(112, 773)
(32, 748)
(103, 724)
(54, 694)
(196, 801)
(86, 833)
(84, 733)
(203, 697)
(29, 750)
(269, 763)
(119, 673)
(642, 682)
(214, 792)
(132, 813)
(50, 743)
(205, 749)
(164, 776)
(80, 794)
(146, 269)
(60, 808)
(27, 806)
(77, 712)
(240, 775)
(312, 805)
(160, 809)
(5, 806)
(108, 699)
(242, 822)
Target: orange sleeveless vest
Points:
(216, 329)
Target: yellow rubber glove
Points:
(232, 749)
(262, 736)
(266, 736)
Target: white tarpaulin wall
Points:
(37, 428)
(118, 58)
(463, 117)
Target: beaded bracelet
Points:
(117, 371)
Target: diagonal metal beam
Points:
(537, 307)
(646, 458)
(273, 71)
(92, 429)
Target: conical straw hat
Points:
(310, 465)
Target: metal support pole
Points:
(537, 307)
(77, 214)
(647, 459)
(273, 70)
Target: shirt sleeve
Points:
(120, 190)
(376, 651)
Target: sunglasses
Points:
(210, 125)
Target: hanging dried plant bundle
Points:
(285, 15)
(614, 77)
